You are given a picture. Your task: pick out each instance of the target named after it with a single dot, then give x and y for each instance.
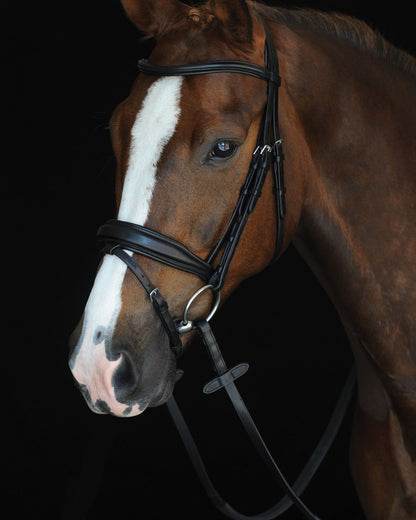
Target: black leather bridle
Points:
(116, 237)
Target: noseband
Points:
(117, 237)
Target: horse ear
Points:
(235, 17)
(152, 16)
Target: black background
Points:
(65, 66)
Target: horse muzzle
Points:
(119, 380)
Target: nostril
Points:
(125, 378)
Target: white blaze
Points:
(153, 128)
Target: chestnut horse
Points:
(347, 116)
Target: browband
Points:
(239, 67)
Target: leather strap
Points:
(154, 245)
(225, 379)
(221, 369)
(159, 303)
(249, 195)
(220, 66)
(272, 62)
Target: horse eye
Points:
(223, 150)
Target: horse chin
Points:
(161, 397)
(150, 398)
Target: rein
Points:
(116, 237)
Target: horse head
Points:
(183, 146)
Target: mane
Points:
(342, 27)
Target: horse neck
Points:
(357, 221)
